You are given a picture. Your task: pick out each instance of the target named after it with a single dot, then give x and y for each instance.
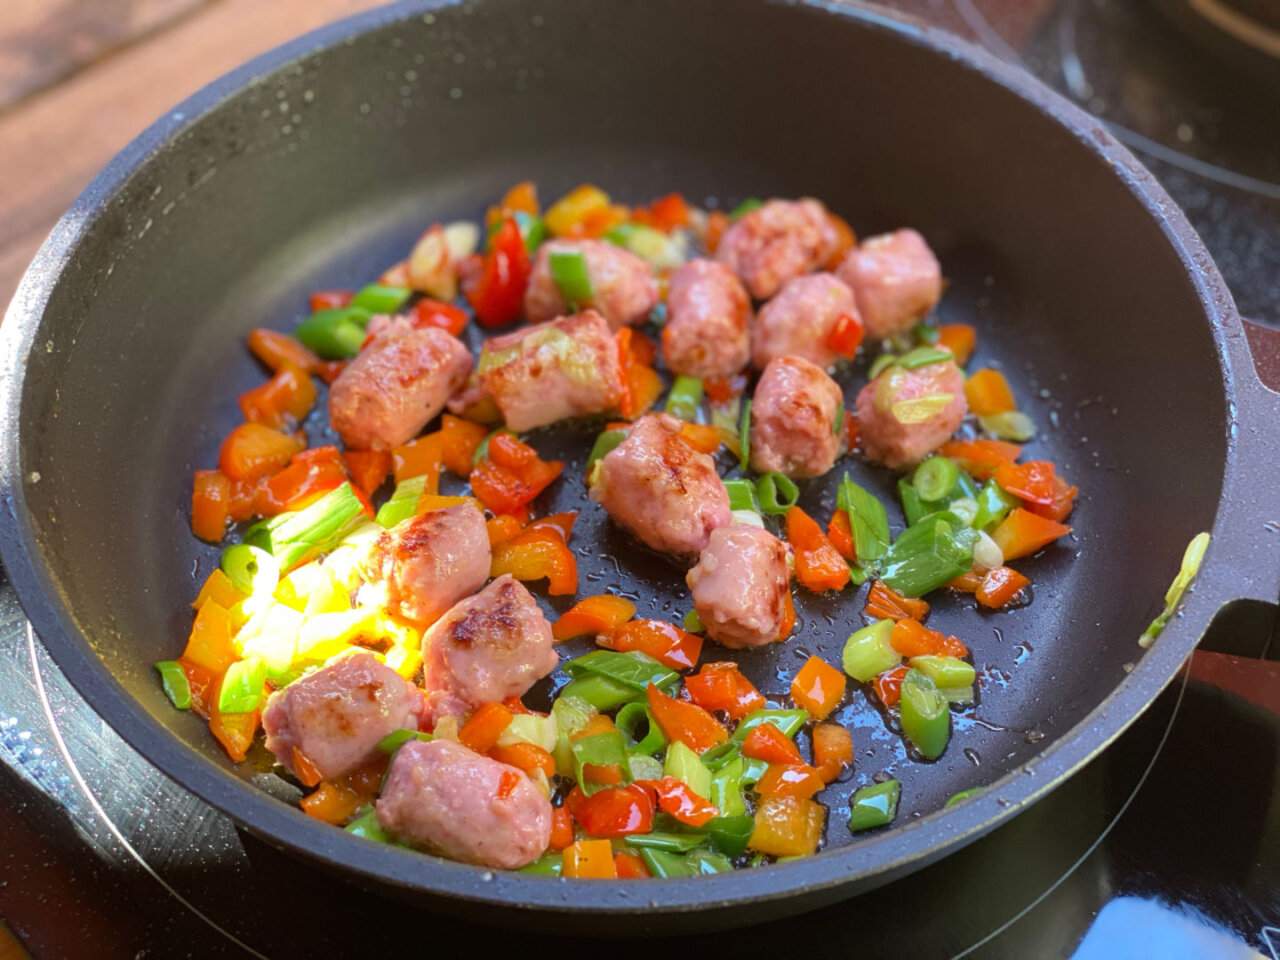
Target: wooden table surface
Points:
(79, 79)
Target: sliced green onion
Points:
(533, 229)
(633, 669)
(241, 690)
(925, 714)
(962, 796)
(744, 435)
(602, 750)
(1012, 425)
(920, 409)
(926, 555)
(693, 622)
(692, 864)
(604, 445)
(381, 299)
(742, 495)
(250, 569)
(403, 503)
(601, 692)
(965, 694)
(912, 507)
(685, 398)
(993, 506)
(838, 424)
(965, 509)
(874, 806)
(857, 576)
(684, 765)
(867, 520)
(719, 757)
(987, 554)
(670, 842)
(366, 825)
(746, 206)
(396, 739)
(926, 333)
(334, 334)
(644, 768)
(922, 357)
(935, 478)
(482, 450)
(753, 768)
(730, 832)
(547, 865)
(965, 486)
(880, 364)
(659, 250)
(1191, 559)
(640, 732)
(571, 714)
(297, 536)
(778, 493)
(174, 680)
(569, 271)
(868, 652)
(726, 788)
(788, 721)
(945, 671)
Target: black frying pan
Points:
(316, 165)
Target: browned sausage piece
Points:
(623, 290)
(797, 424)
(799, 321)
(776, 241)
(739, 586)
(896, 280)
(904, 415)
(708, 312)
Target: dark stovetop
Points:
(1168, 845)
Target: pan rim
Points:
(890, 853)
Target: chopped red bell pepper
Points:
(511, 474)
(841, 535)
(1000, 586)
(444, 316)
(534, 555)
(888, 686)
(613, 811)
(496, 290)
(677, 799)
(912, 639)
(886, 603)
(686, 722)
(665, 642)
(331, 299)
(980, 458)
(1022, 533)
(604, 613)
(310, 475)
(846, 336)
(1032, 481)
(819, 566)
(368, 469)
(721, 686)
(1064, 497)
(766, 742)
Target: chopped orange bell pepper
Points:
(564, 218)
(832, 750)
(368, 469)
(502, 528)
(665, 642)
(677, 799)
(967, 582)
(787, 826)
(717, 224)
(203, 683)
(275, 349)
(841, 535)
(818, 688)
(1023, 533)
(521, 198)
(819, 566)
(788, 615)
(702, 437)
(219, 589)
(960, 338)
(641, 385)
(628, 866)
(1059, 508)
(483, 728)
(790, 780)
(766, 742)
(560, 524)
(589, 860)
(721, 686)
(252, 451)
(525, 756)
(209, 644)
(888, 686)
(1000, 586)
(330, 370)
(980, 458)
(988, 392)
(604, 613)
(886, 603)
(665, 214)
(422, 457)
(235, 731)
(686, 722)
(721, 390)
(599, 723)
(912, 639)
(336, 801)
(535, 554)
(1032, 481)
(459, 440)
(511, 474)
(561, 829)
(210, 505)
(304, 769)
(310, 475)
(281, 402)
(846, 239)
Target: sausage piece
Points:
(799, 321)
(776, 241)
(740, 585)
(336, 715)
(388, 393)
(422, 566)
(494, 645)
(896, 280)
(661, 489)
(446, 799)
(708, 312)
(623, 290)
(797, 421)
(565, 368)
(897, 424)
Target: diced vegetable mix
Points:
(659, 764)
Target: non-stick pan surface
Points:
(318, 164)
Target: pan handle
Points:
(1246, 546)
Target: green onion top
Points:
(746, 206)
(569, 271)
(778, 493)
(685, 398)
(381, 299)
